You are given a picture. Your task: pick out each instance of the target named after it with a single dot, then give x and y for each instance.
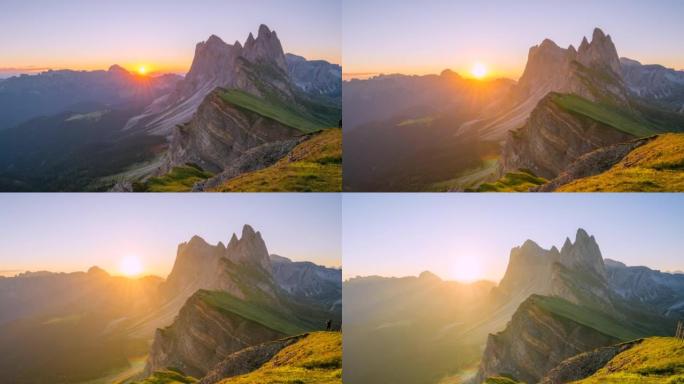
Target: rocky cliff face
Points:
(535, 341)
(553, 138)
(202, 336)
(220, 133)
(200, 265)
(234, 302)
(593, 163)
(247, 360)
(259, 67)
(593, 71)
(216, 64)
(585, 364)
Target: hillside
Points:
(165, 377)
(317, 358)
(651, 360)
(272, 109)
(657, 166)
(536, 339)
(314, 165)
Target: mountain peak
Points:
(233, 241)
(581, 235)
(116, 68)
(213, 39)
(248, 231)
(548, 43)
(584, 45)
(95, 270)
(427, 275)
(597, 35)
(250, 248)
(264, 31)
(583, 255)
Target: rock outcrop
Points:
(585, 364)
(535, 341)
(259, 67)
(593, 163)
(553, 138)
(234, 303)
(247, 360)
(593, 72)
(202, 336)
(220, 133)
(216, 64)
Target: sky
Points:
(419, 37)
(160, 34)
(460, 235)
(72, 232)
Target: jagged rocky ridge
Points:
(578, 303)
(592, 71)
(240, 100)
(593, 100)
(234, 302)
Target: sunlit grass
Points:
(315, 359)
(655, 360)
(313, 166)
(657, 166)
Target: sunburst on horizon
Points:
(479, 71)
(131, 266)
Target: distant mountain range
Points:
(530, 135)
(550, 306)
(239, 109)
(217, 301)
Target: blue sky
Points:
(69, 232)
(428, 36)
(404, 234)
(84, 34)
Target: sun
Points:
(479, 71)
(466, 270)
(142, 70)
(130, 266)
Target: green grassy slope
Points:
(606, 114)
(592, 318)
(273, 109)
(179, 179)
(520, 181)
(166, 377)
(500, 380)
(657, 166)
(315, 359)
(313, 166)
(254, 311)
(655, 360)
